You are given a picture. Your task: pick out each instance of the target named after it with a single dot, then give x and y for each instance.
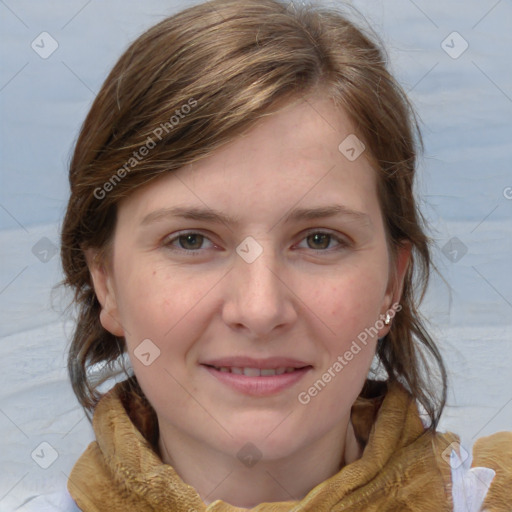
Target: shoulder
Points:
(54, 502)
(495, 452)
(483, 481)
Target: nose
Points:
(258, 299)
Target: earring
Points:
(387, 319)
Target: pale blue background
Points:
(466, 109)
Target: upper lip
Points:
(250, 362)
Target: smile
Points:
(257, 377)
(255, 372)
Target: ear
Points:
(102, 280)
(396, 283)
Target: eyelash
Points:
(343, 244)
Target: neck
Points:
(216, 475)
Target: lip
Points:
(262, 385)
(250, 362)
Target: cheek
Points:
(153, 306)
(139, 299)
(349, 307)
(354, 299)
(158, 302)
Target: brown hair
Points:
(194, 82)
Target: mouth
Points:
(256, 372)
(257, 377)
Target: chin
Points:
(268, 443)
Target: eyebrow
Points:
(297, 214)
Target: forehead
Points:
(308, 130)
(292, 158)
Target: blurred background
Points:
(454, 60)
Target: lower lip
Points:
(259, 386)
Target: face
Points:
(240, 281)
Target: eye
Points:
(192, 242)
(187, 241)
(321, 240)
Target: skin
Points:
(302, 297)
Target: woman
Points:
(242, 226)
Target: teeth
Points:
(256, 372)
(251, 372)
